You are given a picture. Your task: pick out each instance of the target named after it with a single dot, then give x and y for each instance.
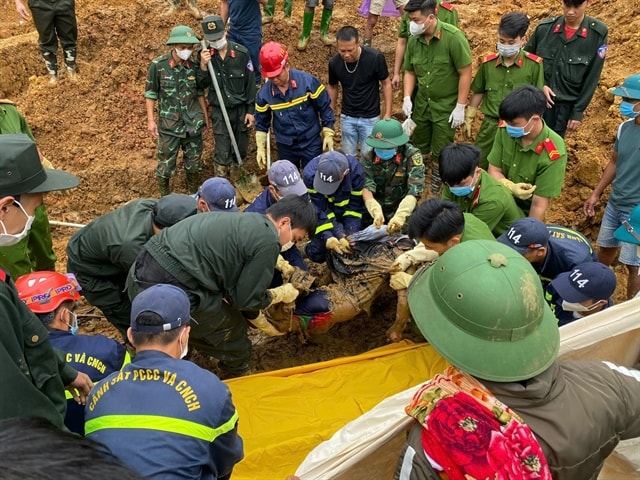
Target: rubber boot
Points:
(51, 62)
(268, 11)
(288, 6)
(221, 170)
(193, 182)
(324, 27)
(163, 186)
(307, 23)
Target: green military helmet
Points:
(482, 307)
(387, 134)
(630, 88)
(182, 34)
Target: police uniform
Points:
(436, 66)
(542, 163)
(571, 67)
(298, 116)
(339, 214)
(176, 89)
(392, 180)
(238, 88)
(444, 11)
(494, 80)
(166, 418)
(475, 229)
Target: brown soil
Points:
(96, 127)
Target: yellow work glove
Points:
(469, 115)
(284, 267)
(339, 246)
(327, 139)
(523, 191)
(286, 293)
(46, 163)
(406, 207)
(400, 280)
(419, 254)
(346, 246)
(375, 210)
(264, 326)
(261, 149)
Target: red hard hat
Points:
(43, 292)
(273, 58)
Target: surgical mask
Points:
(7, 239)
(507, 50)
(626, 109)
(289, 244)
(518, 132)
(384, 153)
(462, 191)
(183, 350)
(73, 326)
(416, 28)
(577, 307)
(184, 54)
(218, 44)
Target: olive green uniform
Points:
(495, 81)
(571, 67)
(475, 229)
(543, 163)
(392, 180)
(490, 202)
(444, 11)
(436, 66)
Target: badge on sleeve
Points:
(602, 50)
(250, 66)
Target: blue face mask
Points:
(462, 191)
(626, 109)
(385, 154)
(518, 132)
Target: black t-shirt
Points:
(360, 89)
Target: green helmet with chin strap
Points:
(182, 34)
(386, 134)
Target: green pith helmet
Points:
(630, 88)
(182, 34)
(482, 307)
(387, 134)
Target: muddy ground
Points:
(96, 127)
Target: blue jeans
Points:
(611, 220)
(354, 131)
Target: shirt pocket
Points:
(235, 82)
(577, 69)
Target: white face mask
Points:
(416, 28)
(184, 54)
(577, 307)
(7, 239)
(183, 350)
(289, 244)
(218, 44)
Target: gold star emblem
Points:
(211, 25)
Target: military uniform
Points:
(175, 87)
(392, 180)
(436, 66)
(542, 163)
(490, 202)
(571, 67)
(444, 11)
(495, 80)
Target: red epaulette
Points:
(502, 124)
(534, 57)
(551, 149)
(3, 275)
(490, 57)
(447, 6)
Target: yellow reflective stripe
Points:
(311, 190)
(357, 193)
(291, 103)
(351, 213)
(262, 109)
(342, 203)
(68, 395)
(127, 359)
(324, 227)
(317, 93)
(160, 423)
(331, 215)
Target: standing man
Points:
(360, 71)
(299, 107)
(269, 10)
(438, 60)
(375, 10)
(54, 20)
(173, 81)
(498, 75)
(573, 47)
(244, 19)
(233, 67)
(307, 22)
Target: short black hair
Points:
(147, 338)
(523, 102)
(436, 220)
(426, 7)
(573, 3)
(347, 33)
(458, 161)
(513, 24)
(299, 209)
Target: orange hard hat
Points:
(43, 292)
(273, 58)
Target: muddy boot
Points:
(221, 170)
(288, 6)
(268, 11)
(163, 186)
(193, 8)
(324, 27)
(436, 182)
(193, 182)
(70, 62)
(307, 23)
(51, 62)
(71, 74)
(367, 42)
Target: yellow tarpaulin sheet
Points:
(286, 413)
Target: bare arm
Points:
(401, 46)
(608, 176)
(224, 10)
(539, 207)
(151, 122)
(332, 90)
(409, 83)
(476, 100)
(464, 84)
(495, 172)
(387, 91)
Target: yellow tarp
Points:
(284, 414)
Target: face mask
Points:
(184, 54)
(626, 109)
(385, 154)
(6, 239)
(462, 191)
(518, 132)
(218, 44)
(183, 350)
(289, 244)
(577, 307)
(73, 326)
(416, 28)
(507, 50)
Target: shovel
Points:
(248, 184)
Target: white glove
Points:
(408, 126)
(457, 116)
(285, 293)
(419, 254)
(407, 106)
(284, 266)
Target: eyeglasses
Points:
(631, 230)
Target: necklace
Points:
(357, 63)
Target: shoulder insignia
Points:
(539, 148)
(417, 159)
(446, 6)
(232, 53)
(551, 149)
(557, 28)
(602, 51)
(490, 57)
(6, 101)
(583, 32)
(502, 124)
(534, 57)
(519, 62)
(250, 65)
(3, 275)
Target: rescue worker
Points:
(35, 252)
(194, 423)
(216, 195)
(307, 22)
(270, 8)
(31, 367)
(394, 175)
(245, 27)
(232, 65)
(299, 106)
(335, 183)
(101, 253)
(173, 81)
(225, 263)
(528, 157)
(53, 297)
(505, 382)
(474, 190)
(498, 74)
(551, 249)
(443, 86)
(573, 46)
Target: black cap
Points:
(213, 27)
(174, 207)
